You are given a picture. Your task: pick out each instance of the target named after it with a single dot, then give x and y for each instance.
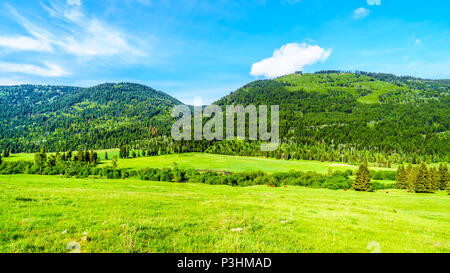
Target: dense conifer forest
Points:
(327, 116)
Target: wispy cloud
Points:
(67, 32)
(360, 13)
(83, 35)
(289, 59)
(25, 43)
(49, 70)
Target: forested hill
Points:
(62, 118)
(327, 114)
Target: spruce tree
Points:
(91, 157)
(86, 156)
(106, 155)
(410, 177)
(433, 179)
(422, 182)
(401, 179)
(362, 180)
(443, 176)
(95, 158)
(114, 162)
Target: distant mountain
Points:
(62, 117)
(327, 115)
(356, 111)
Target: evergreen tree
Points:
(433, 179)
(86, 157)
(362, 180)
(80, 156)
(401, 178)
(91, 157)
(114, 162)
(39, 160)
(443, 176)
(69, 155)
(106, 155)
(410, 177)
(6, 153)
(422, 182)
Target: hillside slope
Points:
(326, 116)
(62, 118)
(329, 112)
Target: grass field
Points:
(204, 161)
(45, 213)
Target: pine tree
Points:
(114, 162)
(401, 179)
(433, 179)
(106, 155)
(422, 182)
(410, 173)
(443, 176)
(362, 180)
(86, 156)
(91, 157)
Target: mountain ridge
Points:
(344, 111)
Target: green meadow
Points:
(205, 161)
(46, 213)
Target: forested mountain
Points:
(327, 116)
(63, 118)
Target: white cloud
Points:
(24, 43)
(77, 34)
(374, 2)
(360, 13)
(289, 59)
(50, 69)
(418, 41)
(74, 2)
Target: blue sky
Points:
(207, 49)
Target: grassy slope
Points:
(44, 213)
(345, 82)
(203, 161)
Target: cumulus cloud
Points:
(374, 2)
(360, 13)
(50, 69)
(289, 59)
